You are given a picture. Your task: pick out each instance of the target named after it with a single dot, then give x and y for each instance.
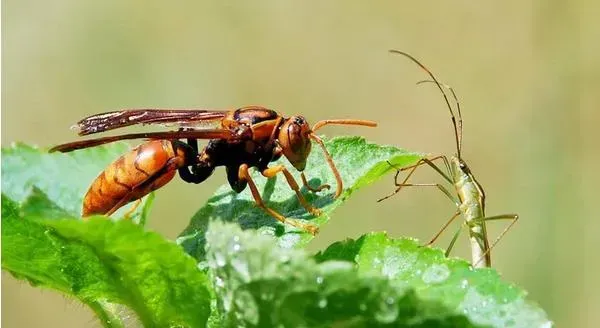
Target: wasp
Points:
(239, 139)
(470, 197)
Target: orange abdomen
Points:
(145, 168)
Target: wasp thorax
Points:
(295, 141)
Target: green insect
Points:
(470, 197)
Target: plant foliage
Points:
(245, 268)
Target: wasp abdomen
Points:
(132, 176)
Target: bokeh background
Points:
(527, 73)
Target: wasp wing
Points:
(122, 118)
(169, 135)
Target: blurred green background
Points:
(527, 74)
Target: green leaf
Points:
(33, 252)
(479, 294)
(358, 161)
(259, 284)
(162, 283)
(101, 261)
(113, 267)
(63, 178)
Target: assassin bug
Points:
(470, 200)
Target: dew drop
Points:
(322, 303)
(388, 311)
(219, 282)
(220, 260)
(319, 280)
(241, 267)
(436, 274)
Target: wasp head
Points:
(294, 140)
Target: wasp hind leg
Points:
(130, 212)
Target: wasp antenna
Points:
(322, 123)
(460, 120)
(457, 134)
(336, 173)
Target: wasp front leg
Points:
(244, 175)
(311, 189)
(273, 171)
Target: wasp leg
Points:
(317, 189)
(245, 175)
(272, 171)
(233, 177)
(130, 211)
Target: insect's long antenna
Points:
(336, 173)
(460, 120)
(318, 140)
(457, 133)
(322, 123)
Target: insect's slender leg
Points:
(413, 168)
(429, 161)
(453, 241)
(317, 189)
(400, 185)
(272, 171)
(513, 217)
(444, 227)
(134, 207)
(439, 186)
(245, 175)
